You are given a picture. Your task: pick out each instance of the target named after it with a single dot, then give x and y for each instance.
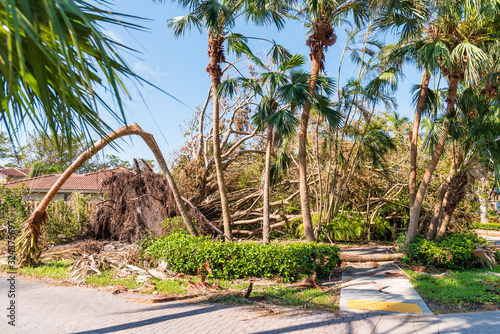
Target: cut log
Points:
(346, 257)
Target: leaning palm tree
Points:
(458, 40)
(218, 17)
(55, 61)
(28, 242)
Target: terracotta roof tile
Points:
(89, 182)
(14, 172)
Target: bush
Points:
(487, 226)
(66, 219)
(12, 207)
(453, 252)
(233, 260)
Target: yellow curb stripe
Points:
(371, 305)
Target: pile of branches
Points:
(138, 200)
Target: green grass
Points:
(459, 291)
(54, 270)
(487, 226)
(282, 294)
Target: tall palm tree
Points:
(457, 40)
(55, 60)
(321, 16)
(218, 17)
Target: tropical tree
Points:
(27, 244)
(280, 93)
(474, 133)
(457, 42)
(218, 17)
(55, 62)
(320, 16)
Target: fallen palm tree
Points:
(27, 244)
(346, 257)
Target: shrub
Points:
(233, 260)
(487, 226)
(66, 219)
(174, 224)
(12, 207)
(453, 252)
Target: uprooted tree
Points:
(136, 203)
(28, 242)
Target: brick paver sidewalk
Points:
(44, 308)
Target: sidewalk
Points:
(384, 288)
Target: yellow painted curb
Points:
(371, 305)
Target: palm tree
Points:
(217, 17)
(320, 16)
(28, 242)
(474, 131)
(457, 40)
(282, 92)
(54, 61)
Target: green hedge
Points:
(487, 226)
(233, 260)
(453, 252)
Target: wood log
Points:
(346, 257)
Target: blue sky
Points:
(178, 67)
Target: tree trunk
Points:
(454, 196)
(346, 257)
(419, 198)
(438, 207)
(216, 53)
(199, 148)
(414, 136)
(266, 223)
(28, 241)
(304, 121)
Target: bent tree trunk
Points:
(414, 136)
(438, 151)
(28, 242)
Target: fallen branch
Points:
(249, 290)
(257, 231)
(172, 298)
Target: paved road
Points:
(493, 237)
(44, 308)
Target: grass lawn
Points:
(277, 293)
(459, 291)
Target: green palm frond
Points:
(284, 122)
(54, 62)
(323, 106)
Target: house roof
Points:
(82, 182)
(15, 172)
